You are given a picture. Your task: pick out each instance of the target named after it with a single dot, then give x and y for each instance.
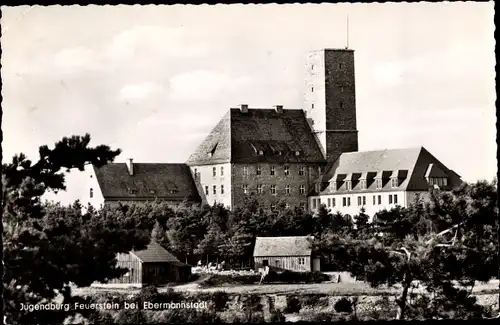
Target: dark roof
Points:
(409, 165)
(283, 246)
(155, 253)
(149, 181)
(259, 135)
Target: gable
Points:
(216, 147)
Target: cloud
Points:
(155, 40)
(204, 85)
(139, 91)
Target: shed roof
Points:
(283, 246)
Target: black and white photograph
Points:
(249, 163)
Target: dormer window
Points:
(348, 185)
(333, 186)
(362, 184)
(152, 191)
(378, 183)
(132, 191)
(316, 186)
(394, 182)
(171, 191)
(297, 153)
(261, 152)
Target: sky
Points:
(154, 80)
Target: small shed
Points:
(286, 253)
(153, 265)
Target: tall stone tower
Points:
(330, 100)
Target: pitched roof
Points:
(409, 165)
(149, 181)
(259, 135)
(155, 253)
(283, 246)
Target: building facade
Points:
(304, 157)
(286, 253)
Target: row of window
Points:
(260, 189)
(258, 171)
(346, 201)
(363, 184)
(439, 181)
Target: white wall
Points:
(91, 183)
(206, 178)
(404, 200)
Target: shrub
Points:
(181, 316)
(293, 305)
(130, 316)
(252, 303)
(99, 317)
(147, 294)
(277, 316)
(344, 305)
(219, 299)
(248, 317)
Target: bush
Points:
(293, 305)
(181, 316)
(219, 299)
(147, 294)
(248, 317)
(344, 305)
(252, 303)
(130, 316)
(277, 316)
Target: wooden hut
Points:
(286, 253)
(153, 265)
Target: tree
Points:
(48, 246)
(446, 246)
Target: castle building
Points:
(303, 157)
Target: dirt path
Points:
(347, 289)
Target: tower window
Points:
(340, 65)
(272, 171)
(312, 89)
(273, 189)
(214, 171)
(91, 193)
(206, 190)
(215, 189)
(341, 105)
(302, 189)
(312, 106)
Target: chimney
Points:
(278, 108)
(244, 108)
(130, 166)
